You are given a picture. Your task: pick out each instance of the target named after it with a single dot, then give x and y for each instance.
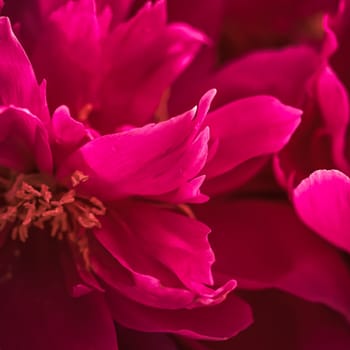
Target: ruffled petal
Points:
(24, 142)
(67, 134)
(260, 73)
(216, 322)
(154, 54)
(171, 256)
(67, 54)
(141, 288)
(141, 161)
(18, 85)
(249, 128)
(323, 202)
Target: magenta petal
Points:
(216, 322)
(249, 128)
(159, 235)
(141, 161)
(323, 202)
(141, 288)
(18, 85)
(154, 54)
(275, 250)
(260, 73)
(171, 256)
(38, 313)
(67, 133)
(264, 73)
(24, 143)
(67, 54)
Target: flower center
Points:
(37, 201)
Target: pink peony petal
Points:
(67, 54)
(24, 141)
(264, 73)
(141, 161)
(173, 240)
(153, 55)
(67, 134)
(215, 322)
(323, 202)
(249, 128)
(259, 73)
(143, 289)
(171, 247)
(18, 85)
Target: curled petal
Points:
(216, 322)
(18, 85)
(323, 202)
(249, 128)
(154, 54)
(24, 141)
(141, 161)
(171, 256)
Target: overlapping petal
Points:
(323, 202)
(249, 128)
(24, 141)
(166, 245)
(216, 322)
(154, 54)
(18, 85)
(140, 161)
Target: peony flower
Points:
(96, 229)
(92, 229)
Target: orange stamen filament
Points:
(30, 204)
